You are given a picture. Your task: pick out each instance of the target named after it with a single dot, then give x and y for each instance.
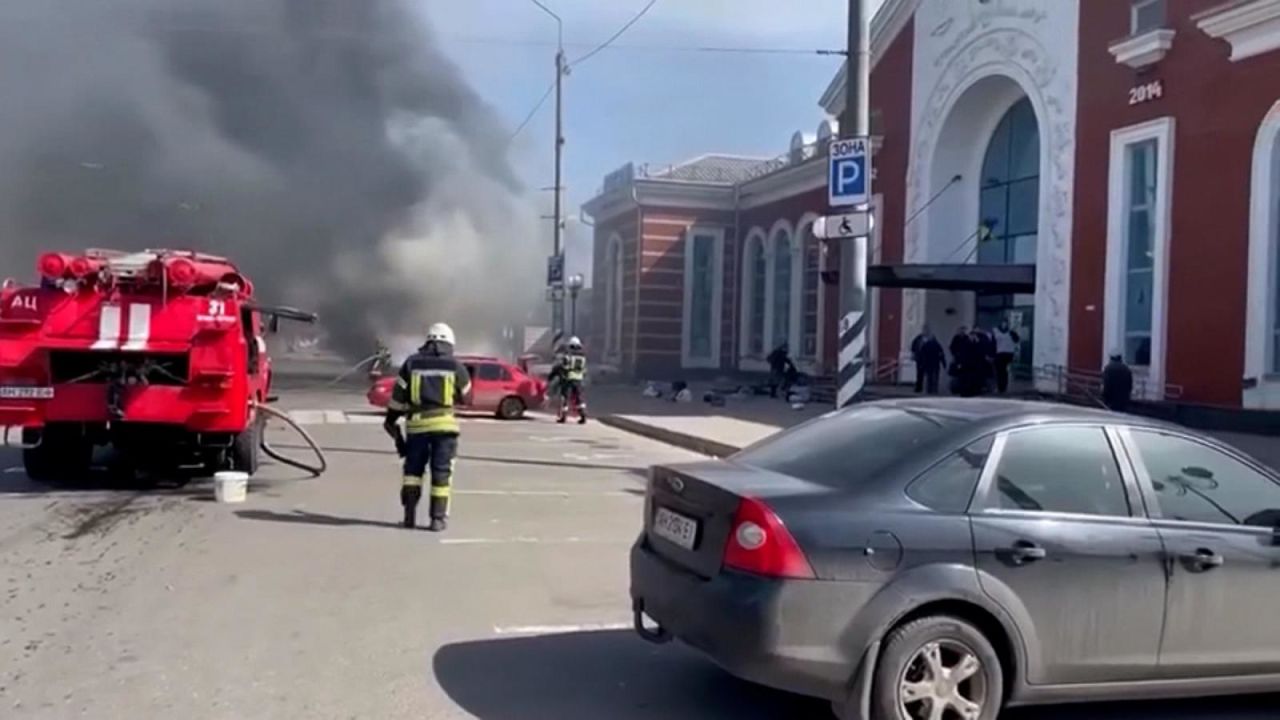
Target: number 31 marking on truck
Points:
(217, 308)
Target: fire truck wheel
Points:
(63, 454)
(245, 451)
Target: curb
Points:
(670, 437)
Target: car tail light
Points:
(760, 543)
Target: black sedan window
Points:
(1061, 469)
(845, 448)
(948, 486)
(1197, 483)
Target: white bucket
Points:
(231, 487)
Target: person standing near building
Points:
(1117, 384)
(931, 359)
(1007, 341)
(916, 344)
(959, 372)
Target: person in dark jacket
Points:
(1117, 384)
(781, 370)
(930, 359)
(431, 383)
(959, 348)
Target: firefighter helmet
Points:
(440, 332)
(575, 344)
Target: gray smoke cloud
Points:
(326, 146)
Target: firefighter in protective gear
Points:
(571, 370)
(431, 384)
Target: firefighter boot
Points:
(409, 497)
(582, 414)
(563, 414)
(438, 525)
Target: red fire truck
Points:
(157, 353)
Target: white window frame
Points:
(1163, 131)
(1137, 6)
(747, 360)
(796, 280)
(1263, 276)
(717, 234)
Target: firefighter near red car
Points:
(158, 353)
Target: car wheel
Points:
(938, 667)
(245, 449)
(62, 455)
(511, 408)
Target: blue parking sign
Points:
(849, 173)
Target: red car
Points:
(497, 387)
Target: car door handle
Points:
(1202, 560)
(1024, 552)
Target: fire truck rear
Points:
(159, 354)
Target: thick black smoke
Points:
(326, 146)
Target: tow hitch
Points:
(657, 635)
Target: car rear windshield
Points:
(845, 448)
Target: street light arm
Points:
(559, 23)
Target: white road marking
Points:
(532, 541)
(334, 417)
(558, 629)
(13, 471)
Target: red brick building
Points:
(1104, 174)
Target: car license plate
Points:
(10, 392)
(675, 528)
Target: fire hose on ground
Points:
(315, 470)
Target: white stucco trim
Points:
(1264, 247)
(809, 362)
(1162, 130)
(613, 298)
(1252, 27)
(1143, 50)
(717, 234)
(756, 236)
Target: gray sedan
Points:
(940, 559)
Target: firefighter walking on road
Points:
(431, 383)
(570, 372)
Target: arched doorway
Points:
(782, 248)
(980, 205)
(1009, 218)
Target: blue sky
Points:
(638, 103)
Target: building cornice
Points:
(888, 22)
(1144, 50)
(787, 182)
(1251, 26)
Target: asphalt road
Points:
(308, 601)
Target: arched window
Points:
(1274, 230)
(755, 275)
(1009, 217)
(809, 314)
(781, 306)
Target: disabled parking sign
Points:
(849, 173)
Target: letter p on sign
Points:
(849, 172)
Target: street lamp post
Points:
(576, 282)
(562, 69)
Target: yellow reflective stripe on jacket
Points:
(450, 381)
(437, 422)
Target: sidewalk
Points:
(722, 431)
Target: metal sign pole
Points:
(853, 345)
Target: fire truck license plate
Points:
(9, 392)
